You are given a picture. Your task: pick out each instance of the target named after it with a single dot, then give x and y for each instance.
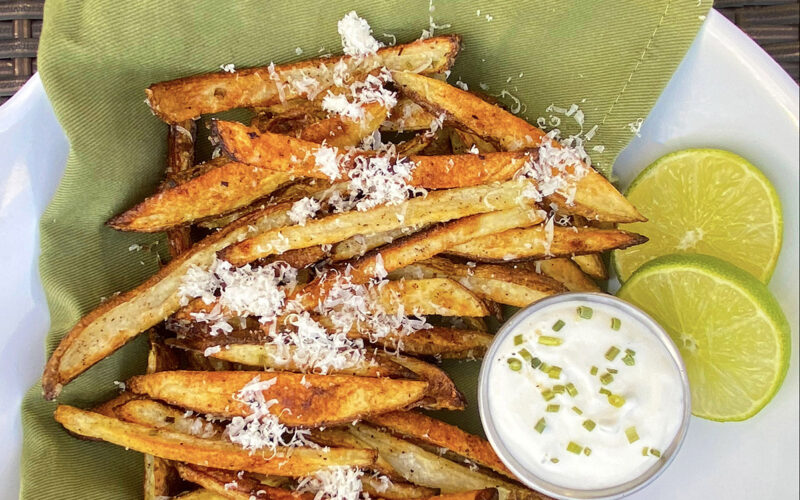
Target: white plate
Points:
(727, 93)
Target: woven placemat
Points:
(773, 24)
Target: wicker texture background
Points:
(773, 24)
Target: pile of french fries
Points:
(226, 411)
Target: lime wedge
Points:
(705, 201)
(729, 329)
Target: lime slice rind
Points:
(730, 330)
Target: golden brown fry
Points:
(222, 454)
(419, 427)
(235, 486)
(180, 157)
(341, 438)
(592, 264)
(360, 244)
(441, 393)
(407, 116)
(595, 197)
(447, 343)
(566, 272)
(497, 283)
(185, 98)
(531, 243)
(282, 153)
(301, 400)
(437, 206)
(119, 319)
(160, 416)
(339, 131)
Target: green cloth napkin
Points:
(611, 57)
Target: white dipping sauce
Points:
(649, 381)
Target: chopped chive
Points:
(558, 325)
(615, 323)
(559, 389)
(535, 362)
(612, 370)
(593, 370)
(544, 367)
(629, 360)
(540, 425)
(574, 447)
(518, 339)
(605, 391)
(554, 460)
(547, 394)
(551, 341)
(572, 390)
(515, 364)
(585, 312)
(630, 351)
(616, 400)
(553, 408)
(612, 353)
(645, 451)
(577, 410)
(655, 452)
(587, 451)
(526, 355)
(554, 372)
(589, 425)
(631, 434)
(606, 378)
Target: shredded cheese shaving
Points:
(357, 39)
(333, 483)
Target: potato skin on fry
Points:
(231, 486)
(189, 97)
(222, 454)
(302, 399)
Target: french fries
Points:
(187, 98)
(566, 272)
(230, 485)
(180, 157)
(447, 343)
(592, 264)
(214, 453)
(534, 243)
(301, 399)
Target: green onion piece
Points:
(585, 312)
(616, 323)
(606, 378)
(558, 325)
(629, 360)
(589, 425)
(526, 355)
(577, 410)
(518, 339)
(593, 371)
(559, 389)
(612, 353)
(587, 451)
(551, 341)
(605, 391)
(540, 425)
(616, 400)
(655, 452)
(631, 434)
(612, 370)
(544, 367)
(572, 390)
(645, 450)
(554, 460)
(553, 408)
(547, 394)
(554, 372)
(630, 351)
(515, 364)
(535, 362)
(574, 447)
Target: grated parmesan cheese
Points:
(303, 209)
(333, 483)
(357, 39)
(228, 68)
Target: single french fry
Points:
(398, 490)
(301, 399)
(339, 131)
(341, 438)
(358, 245)
(185, 98)
(446, 343)
(160, 416)
(216, 453)
(592, 264)
(437, 206)
(532, 243)
(566, 272)
(235, 486)
(180, 156)
(500, 284)
(429, 430)
(441, 393)
(595, 197)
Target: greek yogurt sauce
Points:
(584, 395)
